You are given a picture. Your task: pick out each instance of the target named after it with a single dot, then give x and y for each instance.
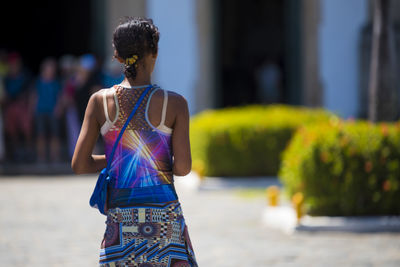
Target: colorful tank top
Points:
(141, 170)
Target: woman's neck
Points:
(139, 80)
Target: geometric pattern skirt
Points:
(147, 235)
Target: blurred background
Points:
(295, 108)
(53, 55)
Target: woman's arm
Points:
(83, 161)
(180, 138)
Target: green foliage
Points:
(246, 141)
(345, 168)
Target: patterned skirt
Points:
(147, 235)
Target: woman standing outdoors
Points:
(145, 224)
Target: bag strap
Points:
(126, 125)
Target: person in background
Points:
(17, 109)
(47, 92)
(3, 73)
(67, 64)
(67, 104)
(269, 79)
(2, 144)
(87, 82)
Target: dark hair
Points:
(135, 36)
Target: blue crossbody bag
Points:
(99, 196)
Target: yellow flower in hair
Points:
(131, 60)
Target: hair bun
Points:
(130, 71)
(133, 39)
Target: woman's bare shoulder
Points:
(101, 92)
(96, 99)
(95, 104)
(98, 95)
(177, 101)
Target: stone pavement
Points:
(48, 222)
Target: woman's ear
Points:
(120, 60)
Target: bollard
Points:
(273, 195)
(298, 202)
(198, 167)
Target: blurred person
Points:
(67, 103)
(3, 73)
(112, 74)
(87, 82)
(2, 144)
(153, 148)
(67, 65)
(47, 121)
(268, 77)
(18, 109)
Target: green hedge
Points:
(345, 168)
(246, 141)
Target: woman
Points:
(145, 225)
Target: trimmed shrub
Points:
(246, 141)
(345, 168)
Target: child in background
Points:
(47, 92)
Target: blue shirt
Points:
(48, 92)
(14, 86)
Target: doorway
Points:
(257, 52)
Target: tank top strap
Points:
(164, 109)
(105, 105)
(108, 124)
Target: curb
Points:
(356, 224)
(284, 219)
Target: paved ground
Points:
(47, 222)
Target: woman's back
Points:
(142, 166)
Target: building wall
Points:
(115, 10)
(310, 19)
(340, 24)
(205, 90)
(177, 63)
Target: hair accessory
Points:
(131, 60)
